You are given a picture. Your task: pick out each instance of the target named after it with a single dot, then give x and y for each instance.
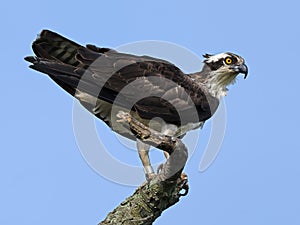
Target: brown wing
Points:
(152, 87)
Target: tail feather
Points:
(61, 59)
(68, 77)
(51, 45)
(65, 62)
(57, 72)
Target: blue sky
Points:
(255, 178)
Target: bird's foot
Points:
(150, 176)
(149, 173)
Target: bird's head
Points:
(222, 70)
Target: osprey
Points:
(152, 90)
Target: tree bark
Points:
(164, 190)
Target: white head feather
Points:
(217, 57)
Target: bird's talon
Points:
(150, 176)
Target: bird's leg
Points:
(143, 150)
(172, 169)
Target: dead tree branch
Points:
(152, 198)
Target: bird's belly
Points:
(107, 113)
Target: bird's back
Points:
(101, 78)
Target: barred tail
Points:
(52, 46)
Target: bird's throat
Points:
(217, 83)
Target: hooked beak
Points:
(242, 69)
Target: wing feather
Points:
(151, 87)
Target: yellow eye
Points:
(228, 61)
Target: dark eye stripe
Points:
(216, 65)
(234, 58)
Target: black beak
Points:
(242, 69)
